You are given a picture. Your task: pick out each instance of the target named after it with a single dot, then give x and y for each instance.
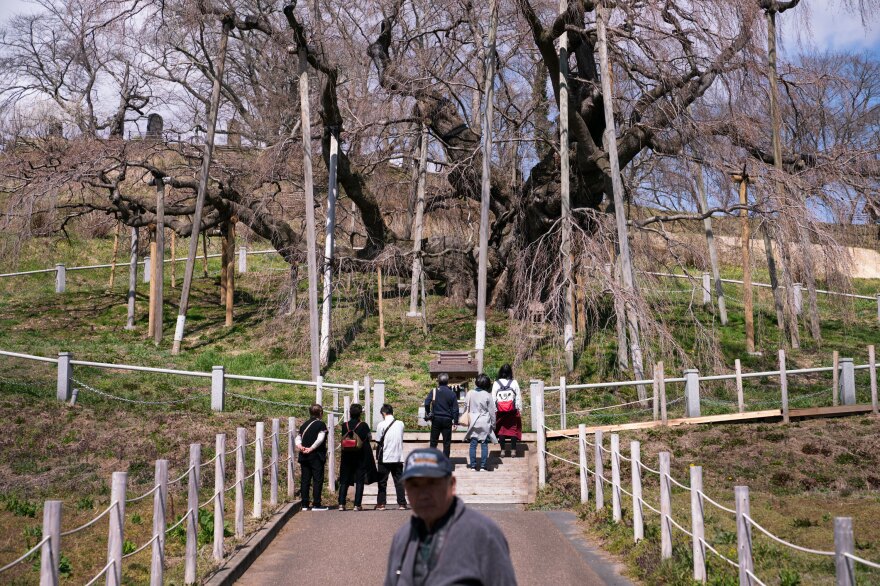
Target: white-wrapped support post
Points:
(541, 437)
(160, 514)
(635, 454)
(615, 478)
(697, 528)
(242, 259)
(692, 392)
(844, 543)
(665, 507)
(563, 399)
(847, 381)
(707, 290)
(273, 470)
(378, 400)
(50, 553)
(331, 452)
(291, 437)
(147, 267)
(597, 470)
(743, 535)
(356, 394)
(582, 461)
(60, 278)
(872, 371)
(219, 494)
(116, 534)
(240, 441)
(65, 376)
(258, 470)
(783, 386)
(218, 388)
(739, 385)
(192, 521)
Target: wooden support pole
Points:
(541, 433)
(160, 515)
(116, 534)
(662, 383)
(205, 255)
(563, 420)
(636, 474)
(835, 377)
(656, 388)
(418, 222)
(151, 311)
(273, 470)
(597, 470)
(230, 273)
(192, 521)
(219, 494)
(743, 535)
(582, 461)
(565, 179)
(747, 262)
(329, 247)
(872, 370)
(381, 316)
(258, 470)
(50, 552)
(173, 260)
(665, 507)
(291, 436)
(844, 543)
(132, 278)
(783, 386)
(615, 478)
(159, 255)
(331, 452)
(240, 441)
(115, 256)
(740, 400)
(697, 528)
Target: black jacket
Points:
(445, 405)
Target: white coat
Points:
(390, 432)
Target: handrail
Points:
(28, 356)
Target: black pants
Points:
(396, 471)
(312, 477)
(511, 442)
(349, 475)
(442, 425)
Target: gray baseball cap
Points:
(427, 463)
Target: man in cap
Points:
(445, 542)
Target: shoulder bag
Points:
(351, 441)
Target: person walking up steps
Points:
(508, 406)
(441, 407)
(356, 466)
(312, 455)
(389, 457)
(481, 411)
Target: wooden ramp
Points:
(509, 480)
(726, 418)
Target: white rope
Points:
(849, 555)
(253, 443)
(649, 469)
(680, 528)
(184, 475)
(143, 496)
(90, 523)
(109, 565)
(26, 555)
(719, 554)
(783, 542)
(232, 451)
(720, 506)
(644, 503)
(755, 578)
(603, 408)
(209, 462)
(141, 548)
(622, 457)
(604, 449)
(561, 458)
(677, 483)
(251, 475)
(182, 519)
(210, 500)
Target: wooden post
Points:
(656, 387)
(64, 386)
(872, 370)
(273, 470)
(258, 470)
(743, 535)
(417, 227)
(665, 507)
(542, 438)
(132, 278)
(319, 391)
(747, 261)
(331, 452)
(835, 377)
(783, 385)
(597, 471)
(173, 260)
(638, 512)
(205, 255)
(692, 392)
(240, 441)
(218, 388)
(224, 260)
(192, 521)
(159, 255)
(228, 23)
(230, 272)
(563, 420)
(50, 552)
(346, 407)
(116, 535)
(370, 408)
(565, 173)
(160, 504)
(740, 401)
(582, 460)
(710, 244)
(329, 246)
(615, 478)
(697, 528)
(381, 316)
(220, 492)
(291, 436)
(662, 383)
(115, 256)
(844, 543)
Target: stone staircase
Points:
(510, 480)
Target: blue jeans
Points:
(484, 452)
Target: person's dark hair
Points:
(355, 410)
(443, 379)
(386, 409)
(316, 410)
(505, 372)
(483, 382)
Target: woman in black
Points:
(355, 466)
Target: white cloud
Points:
(821, 25)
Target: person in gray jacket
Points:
(445, 543)
(481, 410)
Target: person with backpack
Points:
(312, 455)
(441, 408)
(356, 465)
(481, 416)
(508, 408)
(389, 457)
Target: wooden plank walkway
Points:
(726, 418)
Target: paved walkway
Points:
(547, 548)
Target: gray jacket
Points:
(473, 551)
(481, 408)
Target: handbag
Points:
(430, 414)
(465, 418)
(351, 441)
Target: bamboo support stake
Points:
(739, 385)
(115, 256)
(381, 316)
(192, 521)
(835, 377)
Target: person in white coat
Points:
(481, 417)
(389, 457)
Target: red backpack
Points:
(508, 406)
